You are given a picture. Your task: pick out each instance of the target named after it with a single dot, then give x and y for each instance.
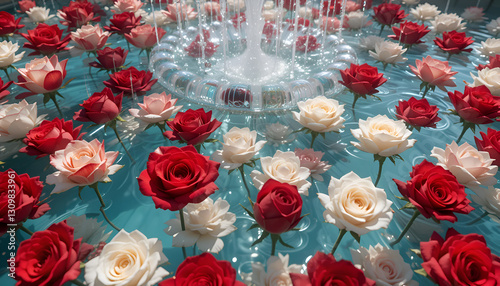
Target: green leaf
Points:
(119, 118)
(230, 171)
(80, 188)
(211, 140)
(323, 135)
(422, 272)
(408, 206)
(46, 99)
(255, 225)
(417, 252)
(402, 198)
(248, 211)
(356, 236)
(65, 84)
(261, 238)
(149, 126)
(283, 243)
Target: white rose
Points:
(383, 136)
(205, 223)
(283, 167)
(320, 114)
(8, 54)
(239, 146)
(161, 19)
(268, 5)
(473, 14)
(425, 12)
(383, 265)
(272, 14)
(39, 14)
(129, 259)
(357, 20)
(368, 43)
(305, 12)
(471, 167)
(355, 204)
(388, 52)
(278, 272)
(88, 229)
(490, 47)
(411, 2)
(489, 78)
(494, 26)
(17, 119)
(447, 23)
(236, 5)
(489, 199)
(278, 133)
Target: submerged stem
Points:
(337, 242)
(183, 228)
(407, 227)
(96, 189)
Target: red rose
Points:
(418, 113)
(454, 42)
(110, 59)
(307, 43)
(195, 49)
(176, 177)
(100, 108)
(494, 63)
(46, 40)
(435, 192)
(490, 144)
(362, 79)
(388, 14)
(8, 24)
(22, 191)
(409, 33)
(323, 269)
(123, 23)
(278, 207)
(476, 105)
(77, 14)
(3, 88)
(301, 23)
(459, 259)
(26, 5)
(50, 136)
(121, 81)
(332, 7)
(203, 269)
(288, 4)
(50, 257)
(192, 126)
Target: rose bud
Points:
(46, 40)
(50, 136)
(144, 36)
(192, 126)
(278, 208)
(409, 33)
(26, 5)
(110, 59)
(131, 81)
(418, 113)
(490, 144)
(100, 108)
(454, 42)
(8, 24)
(77, 14)
(123, 23)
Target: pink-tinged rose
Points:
(90, 38)
(121, 6)
(307, 43)
(459, 259)
(324, 269)
(100, 108)
(185, 11)
(175, 177)
(9, 24)
(434, 72)
(490, 144)
(3, 88)
(312, 160)
(418, 113)
(77, 14)
(362, 79)
(42, 76)
(409, 33)
(388, 14)
(50, 257)
(131, 81)
(192, 126)
(81, 163)
(26, 5)
(331, 24)
(454, 42)
(212, 9)
(145, 36)
(476, 105)
(24, 195)
(157, 107)
(46, 40)
(123, 23)
(494, 63)
(110, 59)
(50, 137)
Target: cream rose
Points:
(81, 163)
(355, 204)
(205, 223)
(447, 23)
(283, 167)
(489, 199)
(368, 43)
(357, 20)
(473, 14)
(490, 47)
(278, 133)
(129, 259)
(278, 272)
(239, 146)
(268, 5)
(471, 167)
(383, 136)
(494, 26)
(388, 53)
(39, 14)
(272, 14)
(8, 54)
(236, 5)
(425, 12)
(320, 114)
(17, 119)
(489, 78)
(157, 107)
(383, 265)
(88, 229)
(161, 19)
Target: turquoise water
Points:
(130, 210)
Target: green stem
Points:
(148, 52)
(183, 228)
(339, 238)
(198, 148)
(449, 56)
(77, 282)
(101, 209)
(6, 73)
(427, 88)
(23, 228)
(113, 126)
(242, 172)
(485, 214)
(381, 30)
(314, 135)
(53, 98)
(274, 241)
(407, 227)
(462, 134)
(380, 165)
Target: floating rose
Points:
(156, 109)
(490, 143)
(8, 25)
(111, 60)
(46, 40)
(131, 81)
(447, 23)
(312, 160)
(145, 37)
(123, 23)
(433, 73)
(417, 113)
(362, 80)
(90, 38)
(17, 119)
(39, 14)
(77, 14)
(489, 78)
(425, 12)
(388, 14)
(454, 43)
(409, 33)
